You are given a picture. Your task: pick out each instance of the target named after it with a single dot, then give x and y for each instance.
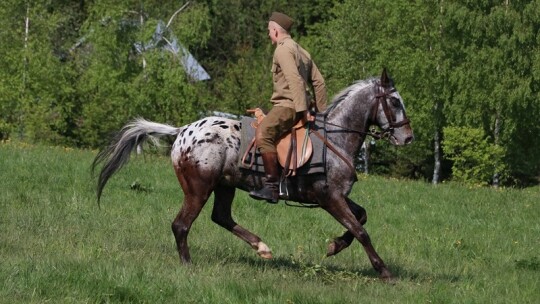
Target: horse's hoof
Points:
(331, 250)
(265, 255)
(387, 277)
(335, 247)
(264, 251)
(389, 280)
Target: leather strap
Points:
(331, 147)
(251, 147)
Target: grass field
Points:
(445, 243)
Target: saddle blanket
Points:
(316, 164)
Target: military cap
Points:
(283, 20)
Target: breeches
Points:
(276, 123)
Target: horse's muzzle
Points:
(409, 140)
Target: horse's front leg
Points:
(221, 215)
(344, 241)
(340, 210)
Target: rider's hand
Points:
(308, 116)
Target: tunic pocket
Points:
(275, 68)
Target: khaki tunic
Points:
(293, 73)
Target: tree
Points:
(71, 72)
(459, 63)
(474, 157)
(407, 38)
(36, 91)
(116, 85)
(496, 89)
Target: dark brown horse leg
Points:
(221, 215)
(344, 241)
(181, 225)
(341, 212)
(196, 192)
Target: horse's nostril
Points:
(409, 140)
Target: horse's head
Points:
(389, 113)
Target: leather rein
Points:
(385, 133)
(392, 124)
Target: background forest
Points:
(72, 72)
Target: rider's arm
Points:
(319, 88)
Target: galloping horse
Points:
(206, 157)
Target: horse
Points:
(205, 157)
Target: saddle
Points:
(294, 148)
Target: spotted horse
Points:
(205, 157)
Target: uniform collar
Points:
(282, 40)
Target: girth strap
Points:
(331, 147)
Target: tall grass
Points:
(446, 243)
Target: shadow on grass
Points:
(423, 277)
(333, 273)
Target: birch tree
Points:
(496, 84)
(36, 84)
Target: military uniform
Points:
(292, 72)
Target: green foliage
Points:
(244, 84)
(118, 84)
(163, 91)
(455, 63)
(475, 159)
(406, 38)
(75, 76)
(495, 84)
(37, 87)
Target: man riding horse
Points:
(206, 153)
(293, 72)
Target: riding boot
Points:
(270, 191)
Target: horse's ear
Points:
(385, 80)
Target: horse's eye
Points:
(395, 102)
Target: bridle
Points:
(381, 98)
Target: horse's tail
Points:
(117, 153)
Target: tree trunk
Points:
(437, 156)
(26, 33)
(497, 126)
(438, 115)
(496, 131)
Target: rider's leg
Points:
(278, 121)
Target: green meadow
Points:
(445, 244)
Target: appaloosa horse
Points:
(206, 157)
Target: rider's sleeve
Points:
(319, 88)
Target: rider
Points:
(293, 72)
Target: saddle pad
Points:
(316, 163)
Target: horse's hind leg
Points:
(339, 209)
(196, 193)
(221, 214)
(344, 241)
(181, 225)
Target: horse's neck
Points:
(351, 113)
